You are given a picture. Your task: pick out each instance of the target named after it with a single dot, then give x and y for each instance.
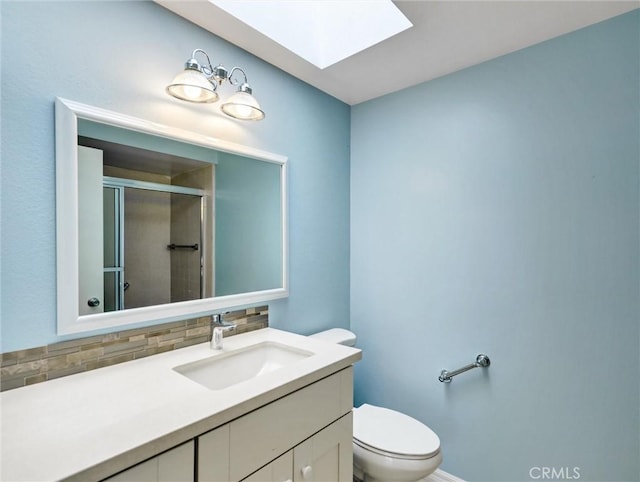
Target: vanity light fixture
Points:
(199, 83)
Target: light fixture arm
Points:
(233, 71)
(244, 86)
(215, 75)
(193, 63)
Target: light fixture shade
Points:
(192, 85)
(243, 106)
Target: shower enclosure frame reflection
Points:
(118, 248)
(69, 320)
(119, 185)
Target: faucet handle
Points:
(217, 320)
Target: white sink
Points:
(223, 371)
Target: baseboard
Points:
(437, 476)
(442, 476)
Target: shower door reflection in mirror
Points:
(162, 262)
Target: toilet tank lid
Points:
(337, 335)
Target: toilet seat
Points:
(393, 434)
(392, 455)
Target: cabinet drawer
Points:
(270, 431)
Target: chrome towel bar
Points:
(481, 361)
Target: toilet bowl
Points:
(388, 446)
(391, 446)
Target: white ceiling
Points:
(448, 35)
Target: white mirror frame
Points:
(68, 318)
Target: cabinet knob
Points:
(93, 302)
(307, 472)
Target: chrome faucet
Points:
(218, 327)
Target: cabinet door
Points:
(176, 465)
(328, 455)
(213, 455)
(280, 470)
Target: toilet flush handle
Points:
(307, 472)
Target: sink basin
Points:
(223, 371)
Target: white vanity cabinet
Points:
(313, 425)
(154, 423)
(175, 465)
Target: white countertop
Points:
(94, 424)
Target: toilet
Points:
(388, 446)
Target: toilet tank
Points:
(336, 335)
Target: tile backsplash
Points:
(35, 365)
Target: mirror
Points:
(157, 223)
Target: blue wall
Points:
(496, 210)
(248, 202)
(120, 56)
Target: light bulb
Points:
(191, 85)
(243, 106)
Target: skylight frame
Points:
(323, 32)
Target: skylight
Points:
(323, 32)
